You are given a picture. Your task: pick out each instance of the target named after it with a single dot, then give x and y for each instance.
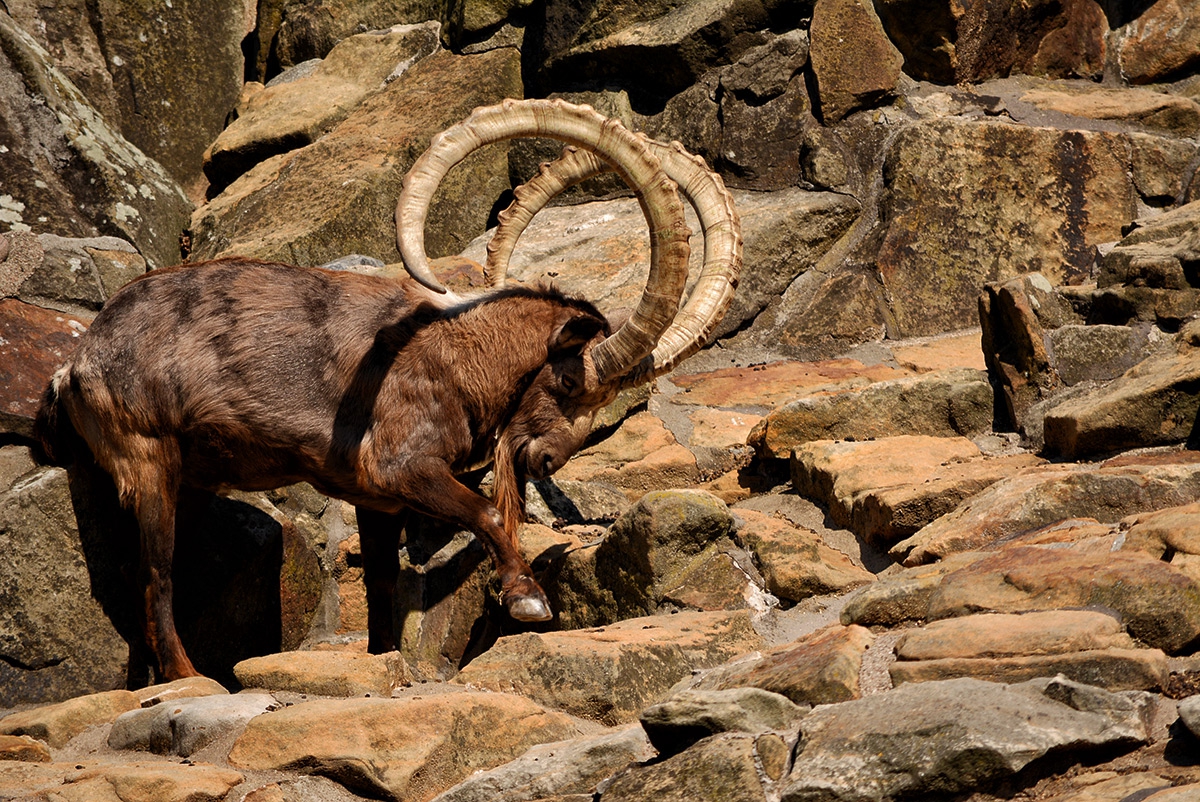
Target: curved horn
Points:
(628, 154)
(719, 222)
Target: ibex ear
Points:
(574, 333)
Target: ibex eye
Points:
(569, 384)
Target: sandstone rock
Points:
(314, 217)
(1086, 647)
(139, 781)
(1043, 495)
(1161, 43)
(1179, 794)
(186, 726)
(556, 770)
(1115, 669)
(33, 343)
(326, 673)
(933, 261)
(855, 64)
(57, 644)
(642, 455)
(795, 562)
(68, 171)
(940, 404)
(946, 44)
(78, 274)
(58, 723)
(904, 596)
(820, 668)
(851, 478)
(405, 749)
(775, 383)
(572, 503)
(615, 671)
(186, 688)
(1189, 713)
(302, 31)
(1153, 403)
(952, 736)
(23, 748)
(1100, 787)
(688, 716)
(1177, 116)
(1156, 602)
(1175, 529)
(292, 115)
(1100, 352)
(941, 353)
(719, 769)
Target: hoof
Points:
(528, 608)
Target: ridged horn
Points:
(719, 222)
(627, 153)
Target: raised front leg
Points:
(428, 486)
(379, 536)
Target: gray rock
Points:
(573, 502)
(80, 273)
(352, 261)
(67, 170)
(953, 736)
(1189, 714)
(1100, 352)
(185, 726)
(556, 769)
(688, 716)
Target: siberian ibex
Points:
(244, 374)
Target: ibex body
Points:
(245, 374)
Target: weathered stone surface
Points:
(940, 404)
(719, 769)
(933, 260)
(776, 383)
(1087, 647)
(1044, 495)
(56, 644)
(184, 727)
(404, 749)
(795, 562)
(821, 668)
(615, 671)
(571, 502)
(68, 171)
(326, 673)
(642, 455)
(299, 32)
(294, 114)
(33, 343)
(556, 770)
(1161, 44)
(1100, 352)
(903, 597)
(1113, 668)
(1182, 793)
(887, 489)
(79, 274)
(133, 781)
(947, 44)
(24, 748)
(186, 688)
(688, 716)
(1154, 403)
(289, 207)
(1174, 115)
(58, 723)
(1175, 529)
(1158, 604)
(946, 737)
(855, 64)
(958, 350)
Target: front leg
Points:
(428, 486)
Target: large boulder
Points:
(338, 195)
(855, 64)
(69, 171)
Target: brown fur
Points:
(252, 375)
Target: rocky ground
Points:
(922, 523)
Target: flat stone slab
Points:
(795, 562)
(1114, 669)
(820, 668)
(186, 688)
(186, 726)
(1040, 496)
(952, 736)
(399, 748)
(324, 673)
(133, 780)
(615, 671)
(776, 383)
(58, 723)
